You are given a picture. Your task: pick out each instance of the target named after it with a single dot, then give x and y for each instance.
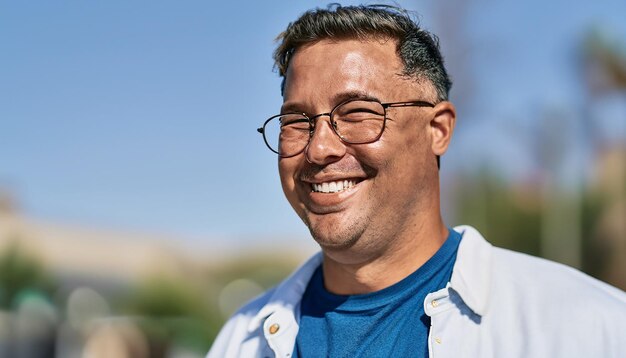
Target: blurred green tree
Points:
(21, 272)
(508, 217)
(173, 313)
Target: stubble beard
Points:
(338, 236)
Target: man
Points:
(364, 121)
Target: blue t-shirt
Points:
(389, 322)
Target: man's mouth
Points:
(332, 186)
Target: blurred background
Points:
(139, 207)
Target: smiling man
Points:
(364, 121)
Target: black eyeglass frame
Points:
(311, 120)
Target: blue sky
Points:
(142, 114)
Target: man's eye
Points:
(295, 122)
(359, 116)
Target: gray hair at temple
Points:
(417, 48)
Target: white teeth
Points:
(332, 186)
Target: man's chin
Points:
(335, 239)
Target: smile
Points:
(332, 186)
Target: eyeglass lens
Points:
(355, 122)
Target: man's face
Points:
(394, 179)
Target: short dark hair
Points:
(417, 48)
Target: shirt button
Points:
(274, 328)
(438, 340)
(434, 303)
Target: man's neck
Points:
(383, 269)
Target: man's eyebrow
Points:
(296, 107)
(291, 107)
(356, 94)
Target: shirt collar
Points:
(471, 276)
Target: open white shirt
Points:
(498, 303)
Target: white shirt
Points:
(498, 303)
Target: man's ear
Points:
(442, 127)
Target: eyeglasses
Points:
(355, 121)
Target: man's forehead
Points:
(328, 70)
(351, 47)
(349, 64)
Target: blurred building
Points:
(103, 259)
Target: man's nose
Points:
(325, 146)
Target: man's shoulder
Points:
(489, 276)
(566, 303)
(553, 309)
(531, 275)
